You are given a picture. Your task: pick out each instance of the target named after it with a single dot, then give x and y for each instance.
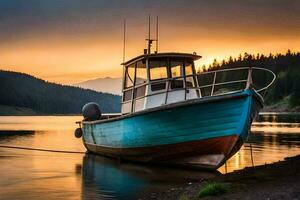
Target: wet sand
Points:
(279, 180)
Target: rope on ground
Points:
(37, 149)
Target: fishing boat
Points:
(173, 115)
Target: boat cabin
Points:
(153, 80)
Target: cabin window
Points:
(158, 86)
(175, 84)
(176, 68)
(188, 68)
(190, 81)
(158, 69)
(127, 95)
(158, 73)
(140, 91)
(129, 76)
(177, 71)
(141, 73)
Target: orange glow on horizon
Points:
(71, 41)
(73, 61)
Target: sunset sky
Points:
(69, 41)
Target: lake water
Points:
(27, 174)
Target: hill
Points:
(19, 90)
(284, 94)
(109, 85)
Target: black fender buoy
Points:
(78, 132)
(91, 111)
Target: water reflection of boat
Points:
(107, 179)
(172, 115)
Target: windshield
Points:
(158, 69)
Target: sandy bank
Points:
(280, 180)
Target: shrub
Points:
(212, 189)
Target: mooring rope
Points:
(38, 149)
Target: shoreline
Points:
(264, 112)
(278, 180)
(23, 111)
(280, 109)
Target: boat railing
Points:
(242, 75)
(270, 82)
(210, 83)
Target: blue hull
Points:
(223, 121)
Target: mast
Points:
(124, 42)
(124, 39)
(149, 35)
(156, 34)
(149, 40)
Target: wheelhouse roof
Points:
(161, 55)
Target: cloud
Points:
(80, 17)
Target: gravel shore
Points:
(280, 180)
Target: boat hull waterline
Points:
(201, 133)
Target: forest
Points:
(285, 92)
(23, 90)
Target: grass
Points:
(184, 197)
(283, 104)
(212, 189)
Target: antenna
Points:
(124, 40)
(149, 33)
(148, 50)
(149, 27)
(156, 34)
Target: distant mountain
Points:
(19, 90)
(109, 85)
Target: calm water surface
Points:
(26, 174)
